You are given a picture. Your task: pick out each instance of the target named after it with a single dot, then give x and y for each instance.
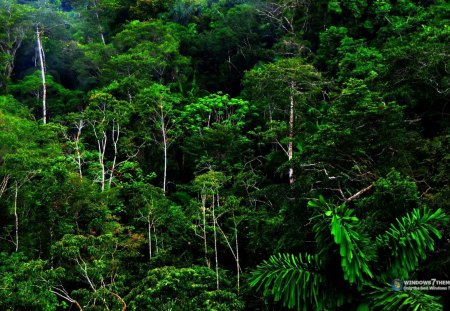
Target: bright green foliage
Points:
(268, 84)
(288, 277)
(344, 227)
(181, 289)
(293, 280)
(210, 182)
(409, 240)
(385, 299)
(26, 284)
(216, 109)
(26, 146)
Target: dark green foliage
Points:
(186, 140)
(170, 288)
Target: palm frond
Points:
(340, 222)
(293, 280)
(388, 300)
(409, 239)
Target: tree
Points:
(148, 51)
(286, 85)
(106, 115)
(336, 228)
(157, 104)
(209, 184)
(190, 288)
(216, 135)
(14, 29)
(26, 284)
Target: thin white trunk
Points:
(208, 264)
(41, 55)
(215, 242)
(100, 28)
(77, 145)
(101, 159)
(101, 146)
(16, 216)
(4, 184)
(233, 252)
(238, 265)
(291, 135)
(156, 240)
(60, 291)
(79, 126)
(115, 140)
(165, 147)
(149, 227)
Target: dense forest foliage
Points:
(223, 154)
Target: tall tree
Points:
(15, 27)
(285, 90)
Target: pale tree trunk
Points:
(84, 268)
(205, 244)
(235, 253)
(149, 227)
(165, 147)
(13, 42)
(238, 264)
(79, 126)
(16, 217)
(102, 160)
(156, 240)
(41, 55)
(115, 140)
(151, 224)
(291, 134)
(9, 67)
(101, 146)
(100, 28)
(215, 240)
(60, 291)
(4, 184)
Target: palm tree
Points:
(367, 265)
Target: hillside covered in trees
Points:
(224, 154)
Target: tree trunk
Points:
(101, 146)
(165, 146)
(205, 244)
(41, 55)
(149, 227)
(100, 28)
(16, 216)
(291, 135)
(115, 140)
(238, 265)
(215, 241)
(156, 239)
(79, 126)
